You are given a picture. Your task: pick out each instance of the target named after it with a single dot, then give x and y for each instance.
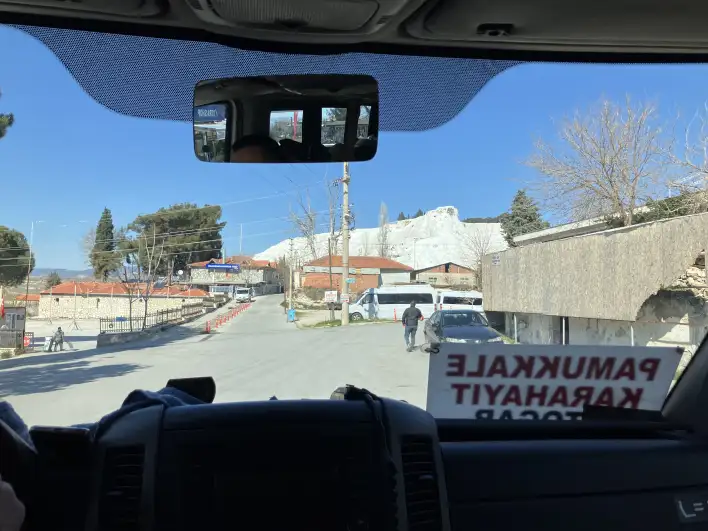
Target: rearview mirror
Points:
(287, 119)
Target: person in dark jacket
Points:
(410, 320)
(58, 339)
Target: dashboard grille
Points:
(121, 489)
(421, 484)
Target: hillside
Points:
(63, 273)
(439, 237)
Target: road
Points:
(253, 357)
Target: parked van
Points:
(460, 300)
(389, 302)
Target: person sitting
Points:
(255, 148)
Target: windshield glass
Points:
(566, 201)
(461, 319)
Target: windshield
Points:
(566, 201)
(462, 319)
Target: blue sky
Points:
(67, 157)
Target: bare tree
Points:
(384, 247)
(692, 181)
(365, 247)
(87, 244)
(479, 243)
(305, 222)
(611, 160)
(142, 255)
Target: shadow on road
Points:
(171, 335)
(31, 380)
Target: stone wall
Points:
(244, 277)
(97, 306)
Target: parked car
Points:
(459, 326)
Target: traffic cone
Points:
(395, 317)
(207, 329)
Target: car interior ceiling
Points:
(617, 470)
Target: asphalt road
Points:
(253, 357)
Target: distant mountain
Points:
(63, 273)
(434, 238)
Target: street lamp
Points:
(29, 270)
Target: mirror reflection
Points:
(286, 119)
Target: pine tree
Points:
(401, 217)
(419, 213)
(523, 217)
(104, 259)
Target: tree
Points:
(401, 217)
(188, 233)
(335, 224)
(523, 217)
(494, 219)
(479, 243)
(87, 243)
(53, 279)
(611, 160)
(6, 121)
(384, 247)
(142, 251)
(365, 247)
(305, 223)
(103, 258)
(419, 213)
(15, 259)
(336, 114)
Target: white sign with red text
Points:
(545, 382)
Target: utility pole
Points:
(345, 245)
(290, 294)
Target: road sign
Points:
(496, 259)
(345, 297)
(224, 267)
(330, 296)
(350, 280)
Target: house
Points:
(262, 275)
(367, 272)
(445, 275)
(93, 300)
(640, 285)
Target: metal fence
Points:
(118, 325)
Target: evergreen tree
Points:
(523, 217)
(104, 258)
(6, 121)
(419, 213)
(401, 217)
(15, 257)
(53, 279)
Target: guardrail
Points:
(224, 318)
(118, 325)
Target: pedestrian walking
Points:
(410, 318)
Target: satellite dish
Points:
(180, 272)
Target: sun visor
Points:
(583, 22)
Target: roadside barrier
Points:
(222, 319)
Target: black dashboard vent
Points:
(421, 484)
(121, 489)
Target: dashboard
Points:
(365, 465)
